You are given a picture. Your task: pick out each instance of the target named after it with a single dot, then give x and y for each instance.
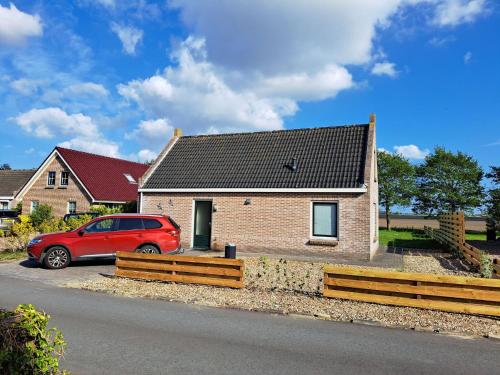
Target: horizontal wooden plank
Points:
(460, 280)
(441, 291)
(419, 303)
(184, 258)
(179, 278)
(190, 267)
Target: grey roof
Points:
(11, 181)
(326, 157)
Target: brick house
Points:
(11, 181)
(71, 181)
(303, 191)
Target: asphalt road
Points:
(117, 335)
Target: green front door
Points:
(202, 224)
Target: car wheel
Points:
(148, 249)
(57, 257)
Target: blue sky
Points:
(115, 77)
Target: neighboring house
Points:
(71, 181)
(302, 191)
(11, 181)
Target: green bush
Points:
(486, 266)
(42, 213)
(52, 225)
(76, 222)
(2, 233)
(21, 231)
(103, 210)
(26, 345)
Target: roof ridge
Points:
(100, 156)
(275, 131)
(18, 170)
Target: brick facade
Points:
(58, 196)
(272, 223)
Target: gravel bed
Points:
(435, 262)
(291, 287)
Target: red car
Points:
(104, 236)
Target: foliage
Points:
(5, 166)
(396, 181)
(42, 213)
(407, 238)
(104, 210)
(52, 225)
(19, 207)
(493, 201)
(76, 222)
(21, 231)
(12, 255)
(2, 233)
(26, 345)
(130, 207)
(486, 265)
(448, 181)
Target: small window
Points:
(4, 206)
(51, 179)
(130, 224)
(129, 178)
(34, 206)
(64, 178)
(325, 219)
(71, 207)
(151, 224)
(105, 225)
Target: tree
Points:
(5, 166)
(396, 182)
(493, 201)
(448, 181)
(43, 213)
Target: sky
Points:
(116, 77)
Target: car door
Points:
(129, 234)
(94, 239)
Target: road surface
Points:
(118, 335)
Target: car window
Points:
(104, 225)
(151, 224)
(130, 224)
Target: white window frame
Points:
(32, 208)
(68, 210)
(67, 178)
(2, 205)
(130, 178)
(48, 178)
(311, 221)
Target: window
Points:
(64, 178)
(51, 179)
(129, 178)
(105, 225)
(34, 206)
(4, 205)
(130, 224)
(151, 224)
(325, 219)
(71, 207)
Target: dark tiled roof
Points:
(104, 176)
(11, 181)
(328, 157)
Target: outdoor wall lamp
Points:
(247, 202)
(214, 208)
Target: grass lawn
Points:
(407, 239)
(475, 236)
(7, 255)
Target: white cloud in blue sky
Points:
(232, 66)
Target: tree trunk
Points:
(387, 218)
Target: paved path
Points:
(118, 335)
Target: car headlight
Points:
(34, 241)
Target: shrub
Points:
(103, 210)
(76, 222)
(486, 265)
(26, 345)
(21, 233)
(52, 225)
(42, 213)
(2, 233)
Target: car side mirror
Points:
(81, 232)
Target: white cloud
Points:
(442, 41)
(385, 68)
(144, 155)
(467, 57)
(411, 152)
(129, 36)
(194, 96)
(455, 12)
(106, 3)
(152, 132)
(53, 121)
(87, 88)
(17, 26)
(26, 86)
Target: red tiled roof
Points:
(104, 176)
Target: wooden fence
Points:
(182, 269)
(437, 292)
(451, 233)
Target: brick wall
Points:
(272, 223)
(57, 197)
